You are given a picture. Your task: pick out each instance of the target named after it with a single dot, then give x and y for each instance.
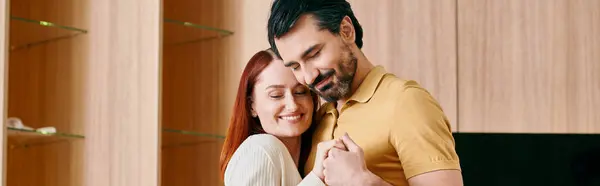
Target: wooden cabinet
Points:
(529, 66)
(3, 81)
(90, 70)
(194, 85)
(46, 59)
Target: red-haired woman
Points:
(268, 139)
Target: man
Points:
(404, 134)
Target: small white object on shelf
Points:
(16, 123)
(46, 130)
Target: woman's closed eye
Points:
(276, 95)
(303, 92)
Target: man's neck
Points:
(363, 67)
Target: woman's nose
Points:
(290, 103)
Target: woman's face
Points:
(283, 106)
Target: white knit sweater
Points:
(263, 160)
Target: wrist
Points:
(319, 174)
(368, 178)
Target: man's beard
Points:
(341, 83)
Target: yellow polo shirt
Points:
(398, 124)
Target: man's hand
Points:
(323, 149)
(348, 167)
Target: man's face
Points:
(319, 59)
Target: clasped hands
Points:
(340, 162)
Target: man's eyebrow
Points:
(310, 49)
(304, 54)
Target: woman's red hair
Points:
(242, 124)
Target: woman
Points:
(268, 139)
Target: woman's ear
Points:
(252, 106)
(347, 30)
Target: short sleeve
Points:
(254, 166)
(422, 136)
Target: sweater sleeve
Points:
(254, 167)
(311, 180)
(263, 160)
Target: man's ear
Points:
(347, 30)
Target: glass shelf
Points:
(31, 35)
(26, 138)
(182, 32)
(178, 138)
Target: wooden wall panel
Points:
(414, 39)
(248, 19)
(123, 93)
(4, 25)
(45, 89)
(193, 90)
(529, 66)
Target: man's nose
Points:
(310, 74)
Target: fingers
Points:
(321, 154)
(325, 173)
(350, 144)
(330, 161)
(335, 152)
(340, 145)
(325, 145)
(323, 148)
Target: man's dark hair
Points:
(328, 14)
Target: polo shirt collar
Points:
(364, 92)
(327, 108)
(367, 88)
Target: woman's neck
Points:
(293, 146)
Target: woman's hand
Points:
(322, 151)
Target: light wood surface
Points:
(414, 39)
(123, 93)
(45, 89)
(4, 8)
(193, 90)
(529, 66)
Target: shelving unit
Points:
(181, 33)
(64, 32)
(194, 40)
(23, 138)
(45, 88)
(173, 138)
(191, 32)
